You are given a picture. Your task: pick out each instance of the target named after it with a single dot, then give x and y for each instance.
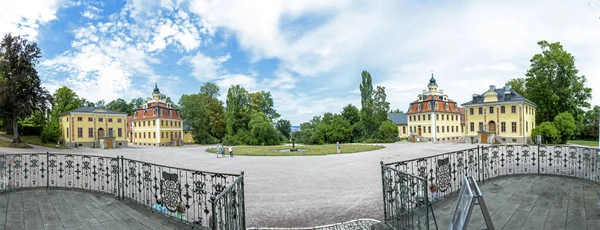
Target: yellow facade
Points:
(157, 131)
(445, 125)
(86, 126)
(157, 123)
(434, 117)
(502, 113)
(187, 136)
(402, 131)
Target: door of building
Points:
(484, 137)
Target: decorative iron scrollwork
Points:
(171, 191)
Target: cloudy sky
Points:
(308, 53)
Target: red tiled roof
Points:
(156, 110)
(425, 105)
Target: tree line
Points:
(563, 100)
(369, 124)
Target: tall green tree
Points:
(351, 114)
(261, 130)
(518, 84)
(565, 124)
(284, 127)
(168, 100)
(65, 99)
(381, 107)
(340, 130)
(100, 104)
(366, 101)
(21, 92)
(591, 123)
(553, 83)
(215, 109)
(263, 102)
(237, 110)
(137, 103)
(121, 105)
(204, 114)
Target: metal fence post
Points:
(47, 171)
(121, 180)
(213, 221)
(539, 160)
(383, 189)
(480, 169)
(243, 203)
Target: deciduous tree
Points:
(518, 84)
(284, 127)
(554, 84)
(21, 92)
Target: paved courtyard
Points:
(532, 202)
(64, 209)
(291, 191)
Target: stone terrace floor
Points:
(64, 209)
(532, 202)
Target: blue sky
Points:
(308, 53)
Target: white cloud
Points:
(105, 58)
(206, 68)
(25, 16)
(469, 45)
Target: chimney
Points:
(492, 87)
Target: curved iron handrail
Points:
(487, 162)
(179, 193)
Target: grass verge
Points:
(590, 143)
(34, 140)
(8, 144)
(311, 150)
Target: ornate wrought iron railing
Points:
(487, 162)
(405, 199)
(181, 194)
(229, 207)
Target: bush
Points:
(50, 133)
(565, 124)
(549, 133)
(388, 131)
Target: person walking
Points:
(230, 151)
(337, 146)
(217, 150)
(223, 150)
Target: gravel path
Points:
(290, 191)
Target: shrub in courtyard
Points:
(549, 133)
(565, 124)
(388, 131)
(50, 133)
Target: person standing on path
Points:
(230, 151)
(223, 150)
(337, 146)
(217, 150)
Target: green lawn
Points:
(584, 142)
(34, 140)
(312, 150)
(8, 144)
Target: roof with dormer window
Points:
(504, 94)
